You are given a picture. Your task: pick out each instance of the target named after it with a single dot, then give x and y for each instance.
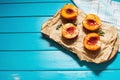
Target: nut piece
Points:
(69, 12)
(69, 31)
(91, 22)
(92, 41)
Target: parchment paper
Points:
(109, 41)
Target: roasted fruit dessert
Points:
(91, 22)
(69, 31)
(92, 41)
(69, 12)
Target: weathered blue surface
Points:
(60, 75)
(31, 1)
(26, 41)
(51, 60)
(26, 55)
(116, 0)
(30, 9)
(22, 24)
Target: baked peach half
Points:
(69, 31)
(92, 41)
(69, 12)
(91, 22)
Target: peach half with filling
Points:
(91, 22)
(69, 12)
(92, 41)
(69, 31)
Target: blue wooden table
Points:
(26, 55)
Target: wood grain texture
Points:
(116, 0)
(26, 41)
(26, 55)
(30, 9)
(51, 60)
(22, 24)
(31, 1)
(59, 75)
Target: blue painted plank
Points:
(19, 1)
(26, 41)
(51, 60)
(31, 9)
(116, 0)
(22, 24)
(60, 75)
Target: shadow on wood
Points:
(96, 68)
